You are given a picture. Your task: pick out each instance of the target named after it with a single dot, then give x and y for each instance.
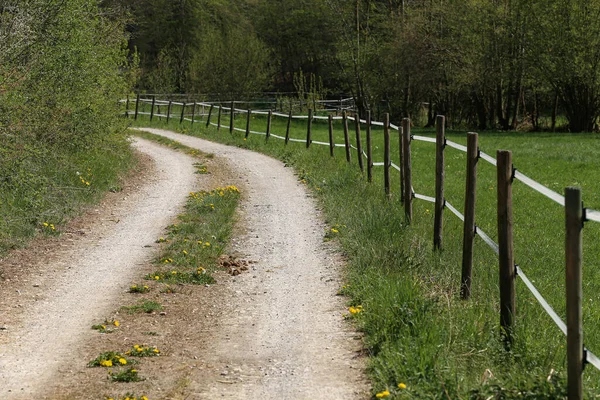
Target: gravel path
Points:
(284, 337)
(281, 333)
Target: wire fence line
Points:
(404, 132)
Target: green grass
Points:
(418, 331)
(146, 306)
(41, 187)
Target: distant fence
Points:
(575, 214)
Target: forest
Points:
(499, 64)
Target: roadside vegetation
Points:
(62, 69)
(405, 296)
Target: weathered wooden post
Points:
(289, 123)
(469, 224)
(331, 142)
(400, 160)
(386, 154)
(127, 107)
(219, 116)
(309, 128)
(269, 124)
(346, 136)
(248, 117)
(193, 113)
(359, 150)
(369, 149)
(408, 193)
(505, 243)
(182, 113)
(574, 260)
(152, 110)
(440, 144)
(169, 111)
(137, 105)
(210, 110)
(231, 118)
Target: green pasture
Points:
(417, 329)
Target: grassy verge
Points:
(418, 331)
(42, 187)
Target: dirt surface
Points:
(273, 331)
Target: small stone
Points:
(162, 313)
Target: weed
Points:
(110, 359)
(143, 351)
(139, 289)
(129, 375)
(147, 307)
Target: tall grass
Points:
(418, 330)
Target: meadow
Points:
(418, 332)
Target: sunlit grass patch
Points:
(143, 351)
(107, 326)
(111, 359)
(128, 375)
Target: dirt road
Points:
(280, 330)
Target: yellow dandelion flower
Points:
(143, 398)
(106, 363)
(146, 287)
(116, 323)
(103, 326)
(334, 230)
(134, 371)
(52, 226)
(207, 244)
(185, 252)
(383, 395)
(156, 351)
(402, 385)
(173, 272)
(122, 361)
(45, 224)
(156, 277)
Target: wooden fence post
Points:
(127, 107)
(269, 124)
(182, 113)
(152, 109)
(210, 110)
(400, 159)
(346, 137)
(248, 123)
(408, 193)
(169, 111)
(469, 225)
(231, 118)
(505, 243)
(219, 117)
(386, 154)
(331, 142)
(369, 149)
(193, 112)
(289, 123)
(137, 105)
(359, 150)
(574, 259)
(440, 144)
(309, 128)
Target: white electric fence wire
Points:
(488, 240)
(424, 139)
(423, 197)
(455, 211)
(175, 103)
(277, 136)
(540, 188)
(397, 168)
(339, 145)
(161, 115)
(557, 320)
(592, 215)
(321, 143)
(488, 158)
(378, 164)
(297, 140)
(592, 359)
(456, 146)
(394, 127)
(377, 123)
(365, 155)
(353, 147)
(320, 117)
(280, 115)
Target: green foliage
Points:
(62, 142)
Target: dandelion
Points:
(116, 323)
(355, 310)
(402, 385)
(383, 395)
(106, 363)
(122, 361)
(46, 224)
(173, 272)
(156, 350)
(156, 277)
(334, 230)
(207, 244)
